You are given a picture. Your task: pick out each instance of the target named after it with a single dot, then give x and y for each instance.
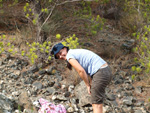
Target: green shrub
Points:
(142, 49)
(92, 23)
(35, 49)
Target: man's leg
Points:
(97, 108)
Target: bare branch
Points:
(73, 1)
(48, 15)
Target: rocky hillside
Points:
(21, 85)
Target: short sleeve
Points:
(70, 56)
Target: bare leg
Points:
(97, 108)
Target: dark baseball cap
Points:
(56, 48)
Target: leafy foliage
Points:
(96, 22)
(142, 35)
(35, 49)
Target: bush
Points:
(35, 49)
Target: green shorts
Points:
(99, 82)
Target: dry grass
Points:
(71, 77)
(130, 23)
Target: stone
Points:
(57, 85)
(81, 90)
(70, 110)
(1, 63)
(128, 86)
(128, 101)
(139, 103)
(50, 90)
(16, 93)
(71, 88)
(50, 70)
(73, 101)
(25, 73)
(118, 81)
(51, 84)
(138, 90)
(110, 97)
(59, 77)
(42, 72)
(6, 105)
(75, 107)
(87, 44)
(28, 81)
(138, 111)
(61, 97)
(38, 85)
(34, 69)
(14, 76)
(67, 94)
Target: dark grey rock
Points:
(34, 76)
(6, 105)
(28, 81)
(50, 90)
(15, 76)
(127, 45)
(25, 73)
(128, 101)
(101, 40)
(67, 94)
(38, 85)
(59, 78)
(57, 85)
(87, 44)
(129, 86)
(34, 69)
(25, 63)
(17, 62)
(42, 72)
(51, 83)
(111, 97)
(119, 81)
(114, 103)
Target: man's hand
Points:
(89, 89)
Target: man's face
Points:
(62, 54)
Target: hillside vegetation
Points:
(30, 28)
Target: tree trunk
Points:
(41, 35)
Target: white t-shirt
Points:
(90, 61)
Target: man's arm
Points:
(81, 72)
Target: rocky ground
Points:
(21, 84)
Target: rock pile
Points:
(21, 87)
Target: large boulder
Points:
(82, 94)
